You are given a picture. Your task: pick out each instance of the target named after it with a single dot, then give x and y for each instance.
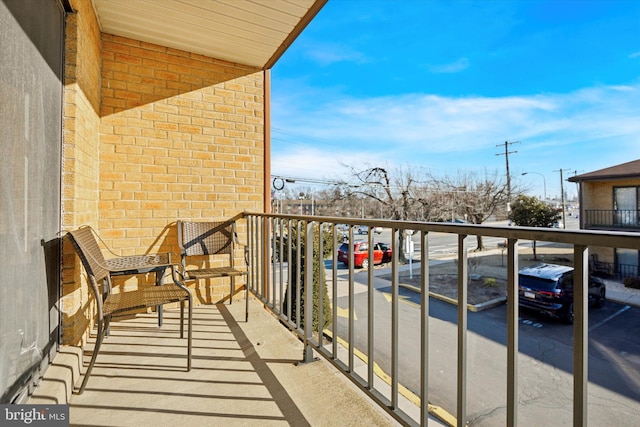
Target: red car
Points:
(381, 253)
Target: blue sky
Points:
(438, 86)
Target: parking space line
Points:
(617, 313)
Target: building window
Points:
(625, 205)
(627, 262)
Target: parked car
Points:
(548, 288)
(363, 229)
(381, 253)
(457, 221)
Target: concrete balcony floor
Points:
(242, 374)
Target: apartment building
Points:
(610, 200)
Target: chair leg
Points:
(189, 331)
(246, 297)
(182, 319)
(232, 289)
(102, 326)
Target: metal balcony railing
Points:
(286, 298)
(617, 271)
(609, 218)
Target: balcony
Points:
(608, 219)
(243, 374)
(249, 373)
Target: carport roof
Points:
(249, 32)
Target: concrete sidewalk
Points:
(619, 293)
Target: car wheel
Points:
(569, 317)
(602, 297)
(365, 263)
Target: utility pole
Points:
(564, 208)
(506, 156)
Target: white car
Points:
(363, 229)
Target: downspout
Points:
(267, 141)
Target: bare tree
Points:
(407, 196)
(474, 196)
(401, 195)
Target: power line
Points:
(278, 181)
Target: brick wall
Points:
(152, 135)
(80, 162)
(181, 137)
(599, 195)
(596, 195)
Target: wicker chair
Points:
(206, 239)
(100, 270)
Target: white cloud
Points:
(307, 161)
(330, 53)
(454, 67)
(449, 132)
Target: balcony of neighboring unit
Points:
(611, 219)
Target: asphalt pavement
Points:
(545, 348)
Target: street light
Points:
(544, 182)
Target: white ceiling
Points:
(249, 32)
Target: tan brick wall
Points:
(181, 137)
(596, 195)
(80, 161)
(152, 135)
(599, 195)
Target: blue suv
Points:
(548, 288)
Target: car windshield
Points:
(537, 283)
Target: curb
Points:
(436, 411)
(475, 308)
